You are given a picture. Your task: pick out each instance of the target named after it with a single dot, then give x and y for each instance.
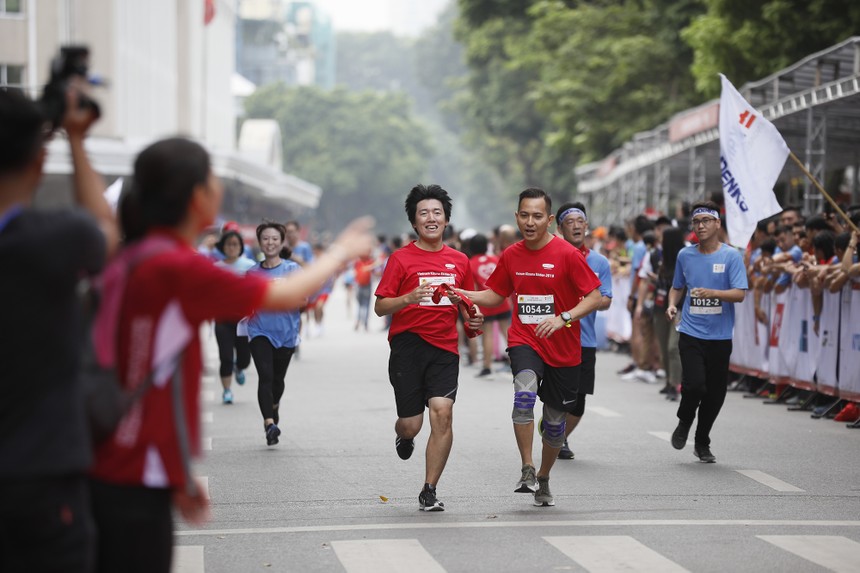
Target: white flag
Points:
(752, 154)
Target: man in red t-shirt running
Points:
(424, 363)
(554, 288)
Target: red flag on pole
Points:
(208, 11)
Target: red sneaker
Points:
(850, 413)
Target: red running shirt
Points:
(167, 298)
(544, 283)
(482, 266)
(406, 267)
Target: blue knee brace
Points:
(525, 396)
(553, 426)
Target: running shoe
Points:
(484, 372)
(704, 454)
(272, 433)
(427, 500)
(679, 436)
(227, 396)
(404, 447)
(543, 497)
(240, 377)
(528, 481)
(565, 453)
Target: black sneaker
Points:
(272, 433)
(484, 372)
(564, 453)
(404, 447)
(679, 436)
(704, 454)
(427, 500)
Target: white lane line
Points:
(204, 485)
(187, 559)
(207, 417)
(494, 524)
(207, 444)
(385, 556)
(605, 412)
(667, 437)
(768, 480)
(832, 552)
(207, 395)
(613, 554)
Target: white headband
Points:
(705, 211)
(572, 211)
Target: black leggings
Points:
(135, 528)
(272, 364)
(225, 334)
(704, 380)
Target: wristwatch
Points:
(565, 316)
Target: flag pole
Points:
(823, 192)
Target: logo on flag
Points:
(752, 154)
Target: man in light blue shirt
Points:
(714, 277)
(573, 224)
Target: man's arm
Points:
(674, 299)
(586, 306)
(482, 297)
(290, 292)
(89, 185)
(389, 305)
(729, 295)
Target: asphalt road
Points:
(784, 494)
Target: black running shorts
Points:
(419, 371)
(558, 386)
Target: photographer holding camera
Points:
(45, 516)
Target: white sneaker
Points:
(632, 375)
(647, 376)
(660, 373)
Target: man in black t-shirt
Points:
(45, 522)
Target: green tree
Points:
(499, 107)
(606, 70)
(747, 40)
(363, 148)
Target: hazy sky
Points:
(404, 17)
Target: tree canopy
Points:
(363, 148)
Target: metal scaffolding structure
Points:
(814, 103)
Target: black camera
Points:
(71, 62)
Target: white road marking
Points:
(207, 395)
(187, 559)
(605, 412)
(832, 552)
(613, 554)
(207, 443)
(494, 524)
(207, 417)
(204, 484)
(385, 556)
(667, 437)
(768, 480)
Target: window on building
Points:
(11, 76)
(10, 6)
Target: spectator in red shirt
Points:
(143, 468)
(482, 266)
